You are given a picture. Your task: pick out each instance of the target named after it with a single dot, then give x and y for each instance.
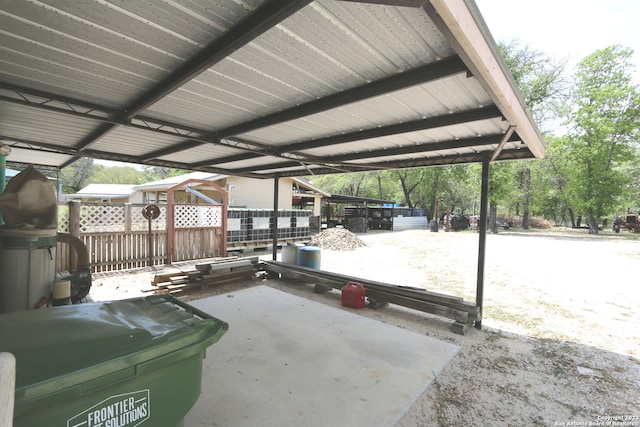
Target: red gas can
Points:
(353, 295)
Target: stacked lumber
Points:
(379, 294)
(205, 275)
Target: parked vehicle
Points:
(617, 223)
(631, 223)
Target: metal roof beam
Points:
(186, 145)
(229, 159)
(481, 141)
(453, 159)
(261, 20)
(377, 132)
(488, 140)
(73, 107)
(266, 17)
(405, 3)
(57, 103)
(434, 71)
(412, 126)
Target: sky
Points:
(566, 29)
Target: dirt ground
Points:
(560, 338)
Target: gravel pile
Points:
(337, 239)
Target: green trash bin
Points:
(114, 364)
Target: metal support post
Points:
(482, 240)
(274, 226)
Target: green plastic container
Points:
(115, 364)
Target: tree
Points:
(539, 78)
(156, 173)
(550, 177)
(115, 175)
(410, 180)
(360, 184)
(75, 176)
(604, 126)
(500, 187)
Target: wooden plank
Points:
(228, 261)
(460, 328)
(382, 286)
(337, 281)
(159, 278)
(427, 307)
(230, 264)
(217, 278)
(306, 276)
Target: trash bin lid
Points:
(63, 346)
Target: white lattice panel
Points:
(63, 218)
(96, 219)
(194, 216)
(139, 223)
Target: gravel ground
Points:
(560, 341)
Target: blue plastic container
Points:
(309, 256)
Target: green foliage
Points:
(360, 184)
(604, 126)
(549, 178)
(156, 173)
(501, 182)
(539, 77)
(454, 186)
(115, 175)
(540, 80)
(76, 175)
(84, 172)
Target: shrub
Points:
(534, 222)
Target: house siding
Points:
(258, 193)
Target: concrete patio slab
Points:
(289, 361)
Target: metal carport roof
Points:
(258, 88)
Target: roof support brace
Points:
(504, 140)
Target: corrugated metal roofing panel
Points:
(453, 94)
(159, 82)
(23, 123)
(120, 139)
(298, 62)
(105, 52)
(37, 156)
(201, 153)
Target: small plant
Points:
(494, 336)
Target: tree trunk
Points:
(572, 217)
(525, 203)
(405, 190)
(434, 196)
(593, 224)
(493, 209)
